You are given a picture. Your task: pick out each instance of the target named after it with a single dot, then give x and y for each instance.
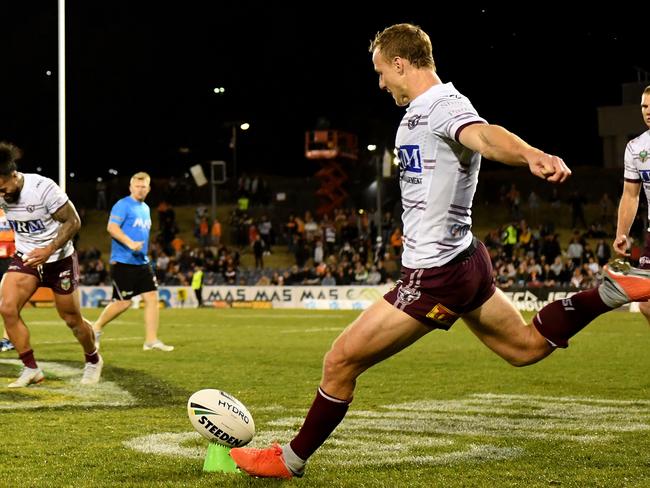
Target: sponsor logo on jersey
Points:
(31, 208)
(645, 175)
(27, 226)
(415, 180)
(442, 315)
(413, 121)
(410, 158)
(142, 223)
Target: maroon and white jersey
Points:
(31, 216)
(438, 176)
(637, 163)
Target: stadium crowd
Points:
(348, 249)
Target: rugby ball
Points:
(221, 418)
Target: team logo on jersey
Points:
(459, 230)
(30, 208)
(408, 295)
(442, 315)
(410, 159)
(65, 284)
(643, 156)
(27, 226)
(413, 121)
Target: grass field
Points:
(444, 413)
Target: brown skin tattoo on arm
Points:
(70, 224)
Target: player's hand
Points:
(549, 167)
(136, 245)
(621, 245)
(38, 256)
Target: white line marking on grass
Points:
(170, 444)
(308, 330)
(63, 390)
(221, 319)
(104, 339)
(61, 322)
(445, 432)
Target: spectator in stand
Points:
(258, 251)
(328, 230)
(514, 200)
(328, 279)
(602, 252)
(197, 284)
(379, 250)
(551, 247)
(577, 202)
(396, 242)
(319, 254)
(606, 209)
(216, 232)
(360, 274)
(576, 278)
(575, 251)
(374, 277)
(533, 208)
(230, 275)
(204, 232)
(265, 228)
(548, 276)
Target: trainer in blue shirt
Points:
(129, 226)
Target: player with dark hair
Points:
(446, 273)
(44, 221)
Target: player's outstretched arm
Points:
(498, 144)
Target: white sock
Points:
(293, 462)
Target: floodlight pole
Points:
(379, 178)
(213, 188)
(234, 152)
(61, 94)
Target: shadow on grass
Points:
(148, 390)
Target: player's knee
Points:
(525, 357)
(336, 363)
(8, 311)
(72, 320)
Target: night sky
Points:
(141, 79)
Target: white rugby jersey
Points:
(637, 163)
(438, 176)
(31, 216)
